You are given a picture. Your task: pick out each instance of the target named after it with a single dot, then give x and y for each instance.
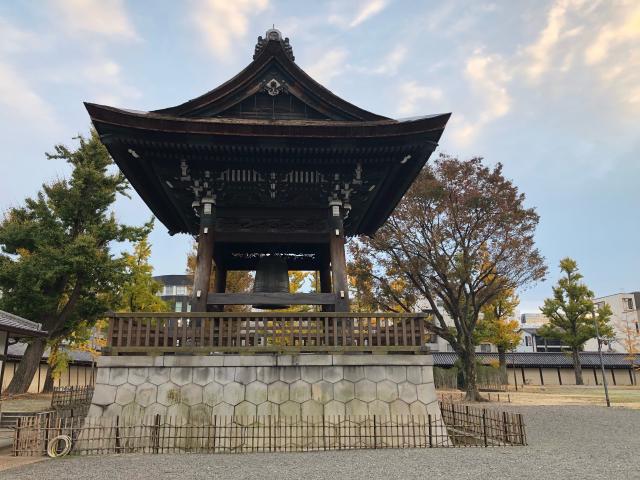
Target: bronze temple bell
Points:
(272, 276)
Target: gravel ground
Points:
(564, 442)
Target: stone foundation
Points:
(197, 387)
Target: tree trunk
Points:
(48, 381)
(470, 384)
(502, 359)
(577, 367)
(27, 367)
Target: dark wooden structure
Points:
(268, 163)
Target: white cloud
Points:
(612, 35)
(223, 22)
(391, 62)
(102, 17)
(352, 18)
(541, 50)
(18, 97)
(488, 77)
(329, 65)
(412, 95)
(14, 40)
(105, 78)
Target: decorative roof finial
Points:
(273, 35)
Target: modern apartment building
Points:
(625, 320)
(176, 290)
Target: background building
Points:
(625, 320)
(176, 291)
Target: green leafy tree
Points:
(498, 327)
(139, 293)
(571, 314)
(459, 238)
(56, 267)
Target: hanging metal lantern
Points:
(272, 276)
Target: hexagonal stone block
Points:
(267, 374)
(418, 409)
(223, 409)
(426, 393)
(104, 395)
(311, 408)
(113, 410)
(132, 413)
(138, 375)
(191, 394)
(378, 407)
(200, 414)
(181, 375)
(322, 391)
(245, 409)
(245, 375)
(366, 390)
(407, 392)
(203, 375)
(334, 408)
(213, 394)
(332, 374)
(224, 375)
(102, 376)
(311, 374)
(300, 391)
(179, 410)
(387, 391)
(343, 391)
(427, 374)
(396, 373)
(118, 376)
(266, 409)
(155, 409)
(375, 373)
(158, 375)
(398, 407)
(256, 392)
(126, 394)
(96, 411)
(146, 394)
(168, 394)
(290, 409)
(233, 393)
(289, 374)
(353, 373)
(278, 392)
(414, 375)
(356, 408)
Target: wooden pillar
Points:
(337, 256)
(204, 259)
(325, 281)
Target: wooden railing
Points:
(204, 333)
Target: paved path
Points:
(565, 442)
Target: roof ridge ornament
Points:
(273, 35)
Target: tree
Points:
(571, 314)
(373, 287)
(461, 235)
(139, 293)
(56, 267)
(499, 328)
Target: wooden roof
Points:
(270, 115)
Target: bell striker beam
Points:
(204, 257)
(337, 255)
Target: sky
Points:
(550, 89)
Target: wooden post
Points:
(204, 258)
(337, 255)
(220, 284)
